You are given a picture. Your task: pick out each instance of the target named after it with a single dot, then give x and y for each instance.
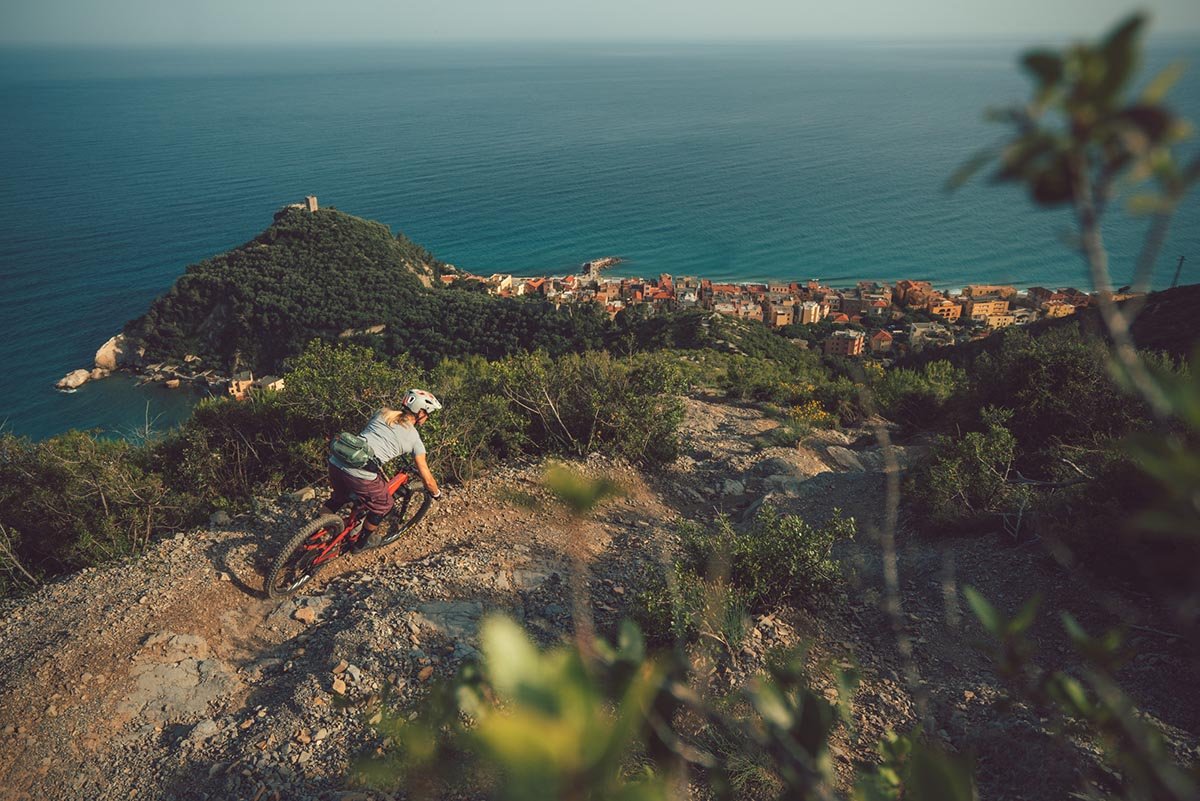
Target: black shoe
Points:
(368, 542)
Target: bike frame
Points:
(332, 549)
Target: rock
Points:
(219, 518)
(776, 465)
(354, 673)
(174, 677)
(844, 458)
(340, 668)
(116, 353)
(74, 379)
(320, 735)
(785, 484)
(339, 686)
(97, 373)
(172, 383)
(529, 579)
(305, 615)
(425, 673)
(456, 620)
(305, 494)
(203, 730)
(733, 487)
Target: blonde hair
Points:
(394, 416)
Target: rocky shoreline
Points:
(119, 354)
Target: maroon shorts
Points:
(374, 492)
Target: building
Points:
(844, 343)
(499, 282)
(310, 203)
(912, 293)
(948, 310)
(811, 312)
(240, 385)
(983, 290)
(881, 341)
(781, 315)
(270, 382)
(981, 308)
(1000, 320)
(1058, 308)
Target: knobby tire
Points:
(409, 511)
(293, 555)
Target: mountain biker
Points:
(390, 433)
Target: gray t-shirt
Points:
(387, 442)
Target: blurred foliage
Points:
(579, 493)
(1082, 132)
(524, 724)
(1135, 762)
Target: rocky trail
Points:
(171, 676)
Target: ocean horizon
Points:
(735, 162)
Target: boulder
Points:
(455, 620)
(845, 458)
(73, 379)
(98, 373)
(116, 353)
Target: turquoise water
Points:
(741, 162)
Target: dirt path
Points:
(171, 677)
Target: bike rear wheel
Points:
(411, 505)
(296, 564)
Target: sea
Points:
(732, 161)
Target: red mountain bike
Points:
(331, 535)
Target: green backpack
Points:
(351, 450)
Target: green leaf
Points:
(1074, 630)
(1143, 204)
(969, 168)
(510, 657)
(1119, 51)
(576, 491)
(1158, 87)
(936, 774)
(984, 611)
(1025, 617)
(1045, 65)
(1072, 694)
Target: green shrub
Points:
(776, 558)
(682, 606)
(966, 480)
(587, 402)
(77, 499)
(919, 398)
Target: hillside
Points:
(308, 275)
(335, 277)
(170, 677)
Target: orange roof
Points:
(839, 318)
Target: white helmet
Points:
(418, 400)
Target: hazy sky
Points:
(103, 22)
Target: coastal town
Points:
(870, 319)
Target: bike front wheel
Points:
(412, 503)
(300, 560)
